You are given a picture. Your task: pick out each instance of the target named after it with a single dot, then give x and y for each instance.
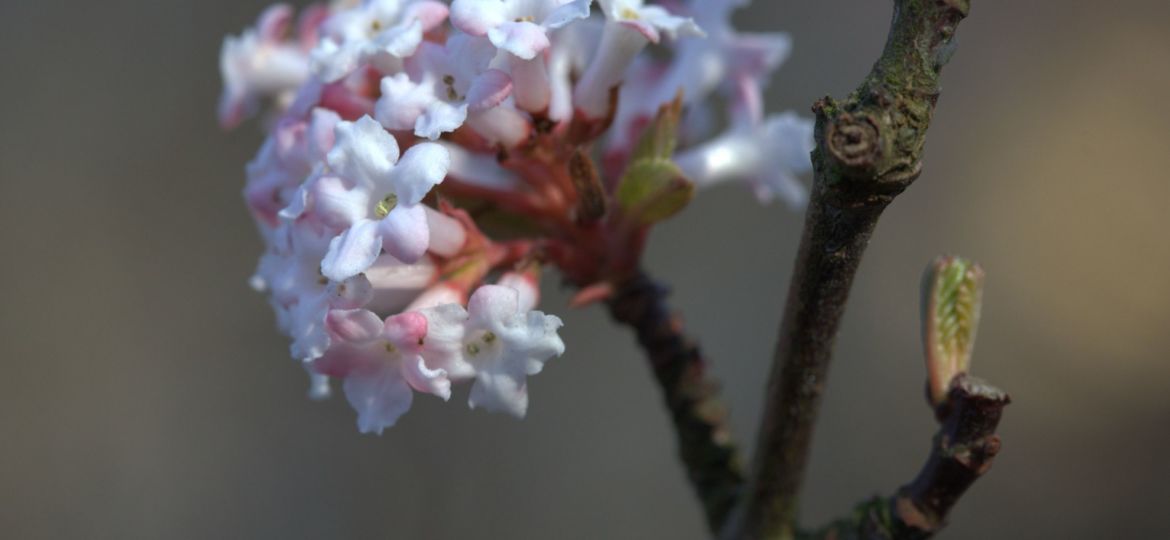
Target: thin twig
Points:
(961, 452)
(700, 419)
(868, 150)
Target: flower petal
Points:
(491, 304)
(567, 13)
(356, 326)
(500, 390)
(405, 330)
(423, 167)
(364, 152)
(353, 251)
(335, 203)
(476, 17)
(439, 118)
(404, 233)
(491, 88)
(423, 379)
(523, 39)
(379, 396)
(402, 103)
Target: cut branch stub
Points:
(868, 150)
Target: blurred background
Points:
(146, 394)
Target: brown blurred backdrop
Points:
(145, 393)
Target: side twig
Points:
(700, 419)
(962, 451)
(868, 150)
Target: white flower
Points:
(383, 196)
(381, 365)
(629, 27)
(698, 68)
(259, 63)
(518, 26)
(767, 154)
(378, 32)
(301, 296)
(286, 159)
(497, 341)
(445, 83)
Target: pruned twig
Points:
(868, 150)
(962, 451)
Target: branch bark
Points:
(700, 419)
(868, 150)
(963, 450)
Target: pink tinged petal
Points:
(397, 284)
(477, 17)
(343, 359)
(355, 326)
(439, 118)
(406, 331)
(491, 304)
(353, 251)
(500, 391)
(542, 341)
(672, 25)
(332, 61)
(647, 30)
(758, 54)
(345, 101)
(421, 168)
(527, 289)
(567, 13)
(401, 41)
(337, 204)
(532, 89)
(423, 379)
(233, 107)
(447, 234)
(309, 25)
(404, 233)
(487, 90)
(619, 45)
(430, 13)
(307, 328)
(468, 55)
(501, 125)
(443, 345)
(441, 294)
(352, 293)
(275, 22)
(482, 170)
(321, 133)
(380, 397)
(306, 97)
(523, 39)
(364, 152)
(402, 102)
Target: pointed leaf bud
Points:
(952, 291)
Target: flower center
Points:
(449, 81)
(476, 346)
(384, 206)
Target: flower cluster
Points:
(424, 160)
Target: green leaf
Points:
(653, 190)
